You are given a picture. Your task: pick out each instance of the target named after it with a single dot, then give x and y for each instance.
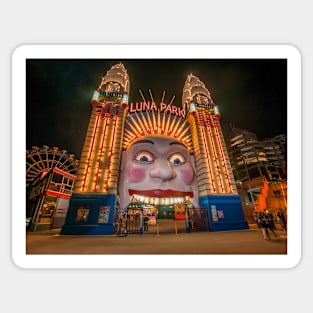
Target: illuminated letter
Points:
(153, 107)
(145, 106)
(181, 113)
(131, 109)
(138, 106)
(174, 110)
(163, 106)
(169, 108)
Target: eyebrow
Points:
(144, 141)
(177, 143)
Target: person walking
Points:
(145, 223)
(271, 224)
(122, 226)
(281, 219)
(256, 218)
(264, 224)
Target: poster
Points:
(82, 213)
(104, 214)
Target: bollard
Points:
(157, 228)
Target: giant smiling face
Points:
(160, 168)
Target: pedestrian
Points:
(122, 225)
(145, 223)
(281, 219)
(256, 218)
(270, 218)
(264, 226)
(191, 221)
(271, 223)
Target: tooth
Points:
(162, 201)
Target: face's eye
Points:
(144, 157)
(177, 159)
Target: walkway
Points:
(166, 241)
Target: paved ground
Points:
(165, 241)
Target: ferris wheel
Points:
(40, 160)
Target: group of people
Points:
(265, 221)
(122, 224)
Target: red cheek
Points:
(135, 175)
(186, 175)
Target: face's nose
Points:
(162, 169)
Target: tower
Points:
(217, 188)
(95, 193)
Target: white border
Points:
(23, 52)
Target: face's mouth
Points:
(158, 196)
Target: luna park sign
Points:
(151, 106)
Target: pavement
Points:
(164, 239)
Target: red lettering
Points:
(153, 107)
(181, 113)
(131, 109)
(145, 106)
(163, 106)
(138, 106)
(174, 110)
(168, 108)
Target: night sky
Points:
(251, 94)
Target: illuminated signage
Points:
(147, 106)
